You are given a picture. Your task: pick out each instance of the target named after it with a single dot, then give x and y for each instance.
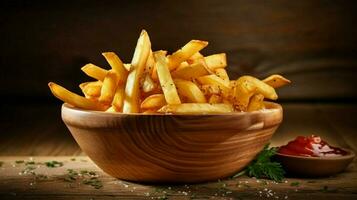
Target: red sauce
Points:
(311, 146)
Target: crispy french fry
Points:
(109, 87)
(166, 82)
(132, 89)
(242, 90)
(182, 65)
(194, 57)
(118, 99)
(154, 71)
(189, 90)
(215, 99)
(150, 63)
(189, 72)
(127, 66)
(222, 73)
(148, 84)
(111, 109)
(276, 81)
(94, 71)
(256, 103)
(153, 102)
(213, 80)
(74, 99)
(197, 108)
(216, 61)
(91, 89)
(117, 65)
(261, 87)
(185, 53)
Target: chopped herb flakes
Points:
(53, 164)
(19, 161)
(87, 177)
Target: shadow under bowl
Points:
(314, 166)
(172, 147)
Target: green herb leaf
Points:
(19, 161)
(53, 164)
(263, 167)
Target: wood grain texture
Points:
(172, 148)
(15, 186)
(313, 43)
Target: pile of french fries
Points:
(183, 82)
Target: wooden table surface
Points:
(42, 137)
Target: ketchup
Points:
(310, 146)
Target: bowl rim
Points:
(273, 107)
(350, 154)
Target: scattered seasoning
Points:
(19, 161)
(87, 177)
(295, 184)
(73, 159)
(30, 163)
(54, 164)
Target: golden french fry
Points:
(213, 80)
(185, 53)
(276, 81)
(216, 61)
(127, 66)
(194, 57)
(222, 73)
(190, 91)
(166, 82)
(261, 87)
(150, 111)
(197, 108)
(182, 65)
(74, 99)
(256, 103)
(119, 96)
(132, 88)
(91, 89)
(94, 71)
(241, 92)
(117, 65)
(150, 63)
(111, 109)
(154, 71)
(215, 99)
(148, 84)
(189, 72)
(109, 87)
(153, 101)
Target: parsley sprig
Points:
(263, 167)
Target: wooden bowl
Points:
(314, 166)
(172, 148)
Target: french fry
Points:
(276, 81)
(185, 53)
(189, 72)
(150, 63)
(91, 89)
(260, 86)
(194, 57)
(148, 84)
(94, 71)
(154, 71)
(109, 87)
(215, 99)
(197, 108)
(111, 109)
(216, 61)
(74, 99)
(256, 103)
(117, 65)
(242, 90)
(213, 80)
(182, 65)
(127, 66)
(222, 73)
(190, 91)
(166, 82)
(118, 99)
(132, 90)
(155, 101)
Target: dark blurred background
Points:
(313, 43)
